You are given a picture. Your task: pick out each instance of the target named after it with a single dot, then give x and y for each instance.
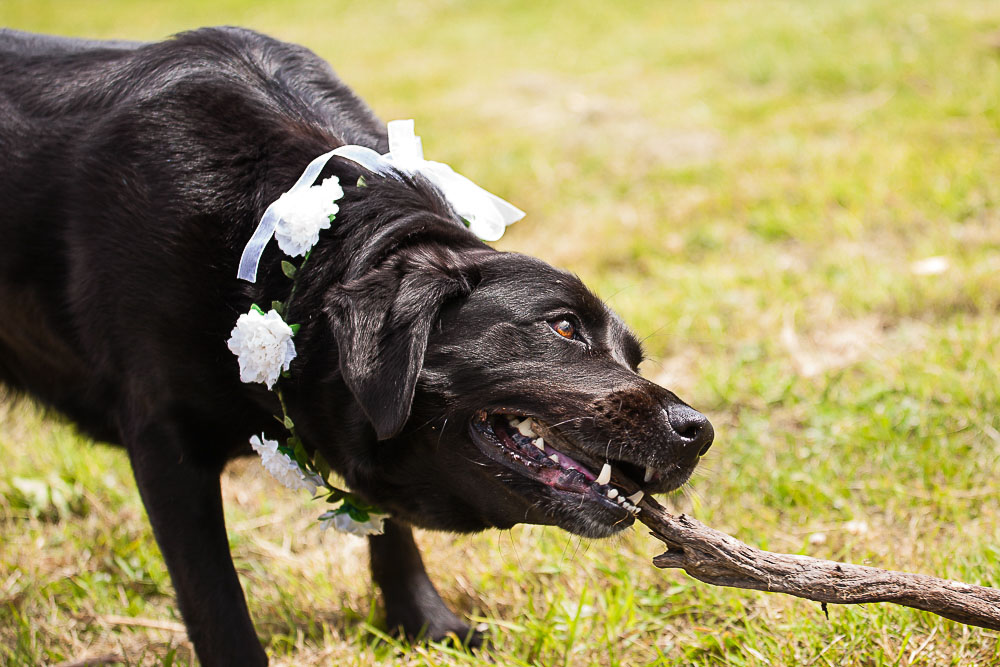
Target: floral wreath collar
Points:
(262, 341)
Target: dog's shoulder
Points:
(98, 79)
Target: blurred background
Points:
(794, 204)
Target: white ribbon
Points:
(486, 214)
(269, 221)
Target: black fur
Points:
(133, 176)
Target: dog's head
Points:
(500, 390)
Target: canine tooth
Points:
(636, 497)
(613, 493)
(539, 442)
(649, 475)
(524, 428)
(605, 475)
(555, 457)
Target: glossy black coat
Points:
(132, 177)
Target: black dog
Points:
(132, 177)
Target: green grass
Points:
(752, 186)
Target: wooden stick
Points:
(719, 559)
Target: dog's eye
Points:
(564, 328)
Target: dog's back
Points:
(169, 145)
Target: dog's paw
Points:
(441, 626)
(460, 635)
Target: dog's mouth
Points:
(538, 451)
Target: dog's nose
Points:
(693, 429)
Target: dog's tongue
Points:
(570, 464)
(530, 439)
(521, 434)
(566, 479)
(564, 460)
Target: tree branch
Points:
(716, 558)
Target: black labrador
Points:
(132, 177)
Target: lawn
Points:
(796, 205)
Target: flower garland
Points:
(262, 342)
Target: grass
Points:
(753, 186)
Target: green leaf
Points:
(361, 182)
(295, 328)
(287, 421)
(358, 515)
(322, 465)
(256, 308)
(278, 307)
(288, 269)
(300, 454)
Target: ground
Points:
(795, 204)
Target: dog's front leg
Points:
(412, 604)
(184, 503)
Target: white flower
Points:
(303, 213)
(281, 467)
(345, 524)
(263, 344)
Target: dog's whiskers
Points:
(569, 540)
(441, 434)
(576, 549)
(692, 493)
(481, 464)
(571, 419)
(652, 333)
(513, 544)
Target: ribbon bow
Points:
(486, 214)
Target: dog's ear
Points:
(381, 323)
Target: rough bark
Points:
(716, 558)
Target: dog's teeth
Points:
(636, 497)
(513, 421)
(649, 475)
(524, 428)
(540, 443)
(612, 493)
(620, 500)
(605, 475)
(555, 457)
